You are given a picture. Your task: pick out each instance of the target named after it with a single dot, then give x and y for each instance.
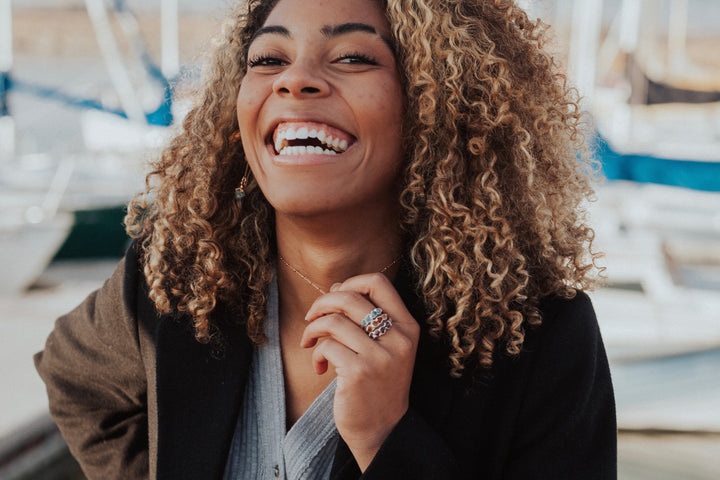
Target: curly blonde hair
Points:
(492, 188)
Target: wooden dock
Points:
(668, 456)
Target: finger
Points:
(333, 352)
(338, 327)
(381, 292)
(350, 303)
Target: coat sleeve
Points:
(555, 407)
(413, 450)
(566, 427)
(95, 381)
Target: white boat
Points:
(39, 193)
(658, 216)
(27, 246)
(662, 247)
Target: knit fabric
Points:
(261, 447)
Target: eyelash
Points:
(262, 60)
(361, 56)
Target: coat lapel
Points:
(199, 395)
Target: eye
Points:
(264, 61)
(356, 59)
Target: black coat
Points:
(136, 396)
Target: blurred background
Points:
(91, 89)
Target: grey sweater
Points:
(261, 447)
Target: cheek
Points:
(383, 108)
(247, 110)
(391, 115)
(249, 100)
(246, 96)
(392, 101)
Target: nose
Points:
(301, 80)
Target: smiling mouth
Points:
(303, 138)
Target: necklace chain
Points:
(318, 287)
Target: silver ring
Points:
(372, 316)
(381, 330)
(376, 323)
(379, 320)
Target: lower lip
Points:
(307, 159)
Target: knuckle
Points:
(328, 321)
(317, 353)
(405, 345)
(383, 358)
(413, 329)
(359, 371)
(378, 279)
(332, 319)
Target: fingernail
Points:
(335, 286)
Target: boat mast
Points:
(170, 62)
(113, 61)
(677, 34)
(584, 40)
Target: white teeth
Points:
(302, 150)
(336, 145)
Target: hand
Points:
(373, 376)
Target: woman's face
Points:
(320, 108)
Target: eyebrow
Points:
(335, 30)
(277, 29)
(328, 31)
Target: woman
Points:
(363, 256)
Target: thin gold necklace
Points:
(318, 287)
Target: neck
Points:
(331, 250)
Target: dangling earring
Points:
(240, 191)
